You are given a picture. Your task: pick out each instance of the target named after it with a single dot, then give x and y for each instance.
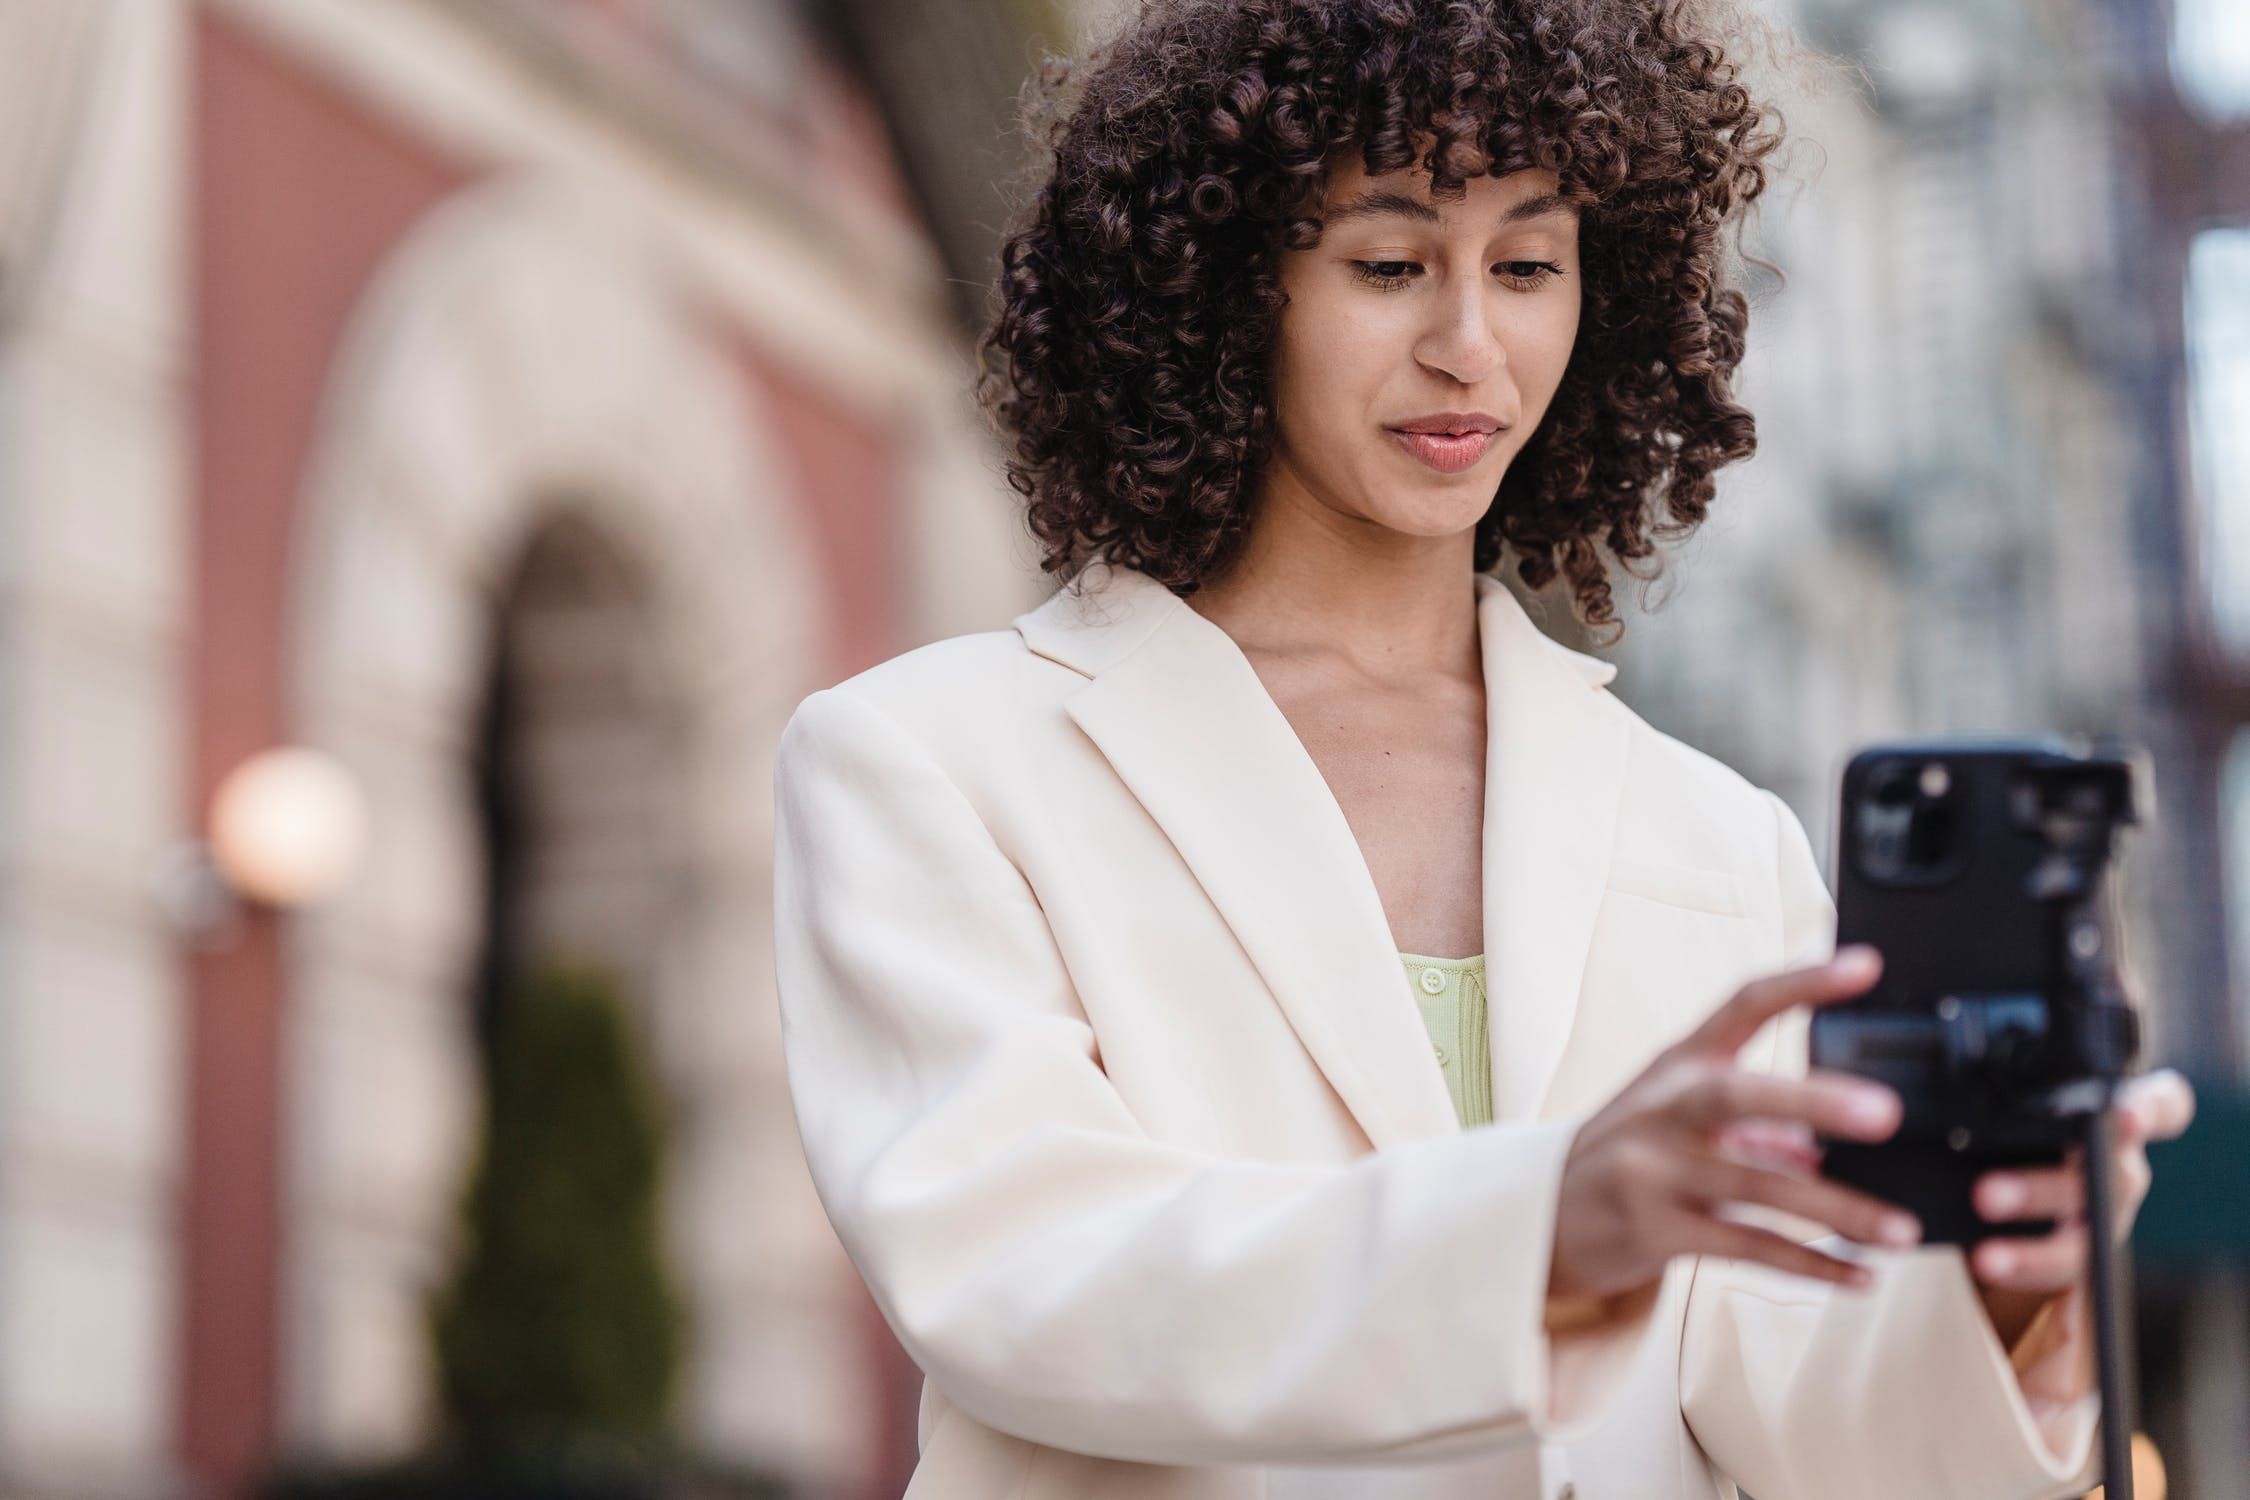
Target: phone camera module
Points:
(1908, 823)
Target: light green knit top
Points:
(1450, 992)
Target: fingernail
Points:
(1999, 1261)
(1869, 1108)
(1854, 961)
(2005, 1194)
(1901, 1230)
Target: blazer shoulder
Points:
(1689, 767)
(1688, 805)
(958, 687)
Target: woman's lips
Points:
(1448, 453)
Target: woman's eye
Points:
(1390, 275)
(1385, 274)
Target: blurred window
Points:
(2211, 57)
(2218, 331)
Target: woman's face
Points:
(1410, 309)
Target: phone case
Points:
(1978, 867)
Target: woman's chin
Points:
(1433, 522)
(1438, 509)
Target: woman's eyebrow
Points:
(1375, 204)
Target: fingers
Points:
(2059, 1193)
(1707, 1236)
(1711, 1095)
(1774, 1142)
(2050, 1263)
(1725, 1031)
(2156, 1106)
(1851, 1213)
(2031, 1193)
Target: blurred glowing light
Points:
(288, 827)
(2218, 330)
(2211, 56)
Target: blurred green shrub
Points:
(558, 1339)
(561, 1324)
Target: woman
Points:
(1134, 961)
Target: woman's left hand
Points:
(2019, 1276)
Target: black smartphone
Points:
(1981, 868)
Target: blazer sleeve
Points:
(1803, 1391)
(1060, 1274)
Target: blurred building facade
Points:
(1939, 531)
(526, 402)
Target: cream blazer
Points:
(1110, 1084)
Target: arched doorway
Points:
(603, 472)
(578, 760)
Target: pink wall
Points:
(298, 195)
(845, 471)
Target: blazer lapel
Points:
(1554, 769)
(1188, 726)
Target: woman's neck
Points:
(1309, 583)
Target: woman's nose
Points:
(1465, 343)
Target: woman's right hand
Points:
(1645, 1177)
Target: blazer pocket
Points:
(1718, 892)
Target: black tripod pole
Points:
(2110, 1296)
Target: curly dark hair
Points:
(1128, 360)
